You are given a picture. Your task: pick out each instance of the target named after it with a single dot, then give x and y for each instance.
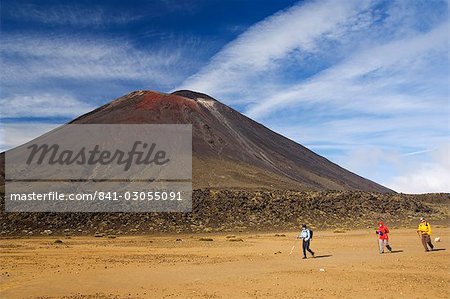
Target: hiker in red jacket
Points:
(383, 238)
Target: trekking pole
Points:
(293, 246)
(378, 243)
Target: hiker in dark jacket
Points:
(306, 235)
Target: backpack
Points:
(311, 233)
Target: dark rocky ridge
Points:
(225, 211)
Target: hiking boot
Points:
(313, 255)
(303, 258)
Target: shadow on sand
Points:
(396, 251)
(322, 256)
(438, 249)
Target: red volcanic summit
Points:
(231, 151)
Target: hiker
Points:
(424, 232)
(306, 235)
(383, 238)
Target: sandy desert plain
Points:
(213, 265)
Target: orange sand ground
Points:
(258, 267)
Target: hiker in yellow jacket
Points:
(424, 232)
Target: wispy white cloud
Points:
(72, 15)
(64, 74)
(43, 105)
(260, 48)
(424, 172)
(418, 176)
(370, 78)
(419, 152)
(403, 133)
(33, 58)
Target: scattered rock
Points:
(58, 241)
(235, 240)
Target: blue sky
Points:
(363, 83)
